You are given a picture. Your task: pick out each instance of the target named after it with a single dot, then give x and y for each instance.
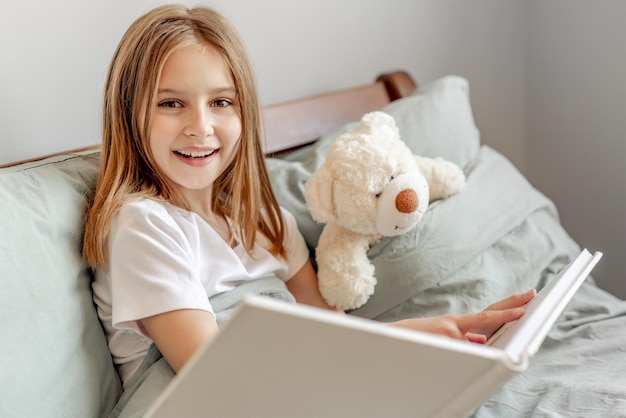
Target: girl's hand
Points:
(512, 302)
(476, 327)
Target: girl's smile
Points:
(195, 157)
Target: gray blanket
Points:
(580, 370)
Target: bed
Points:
(498, 236)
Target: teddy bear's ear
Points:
(378, 118)
(318, 193)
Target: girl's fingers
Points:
(517, 301)
(488, 319)
(513, 301)
(475, 338)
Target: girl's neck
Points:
(198, 201)
(204, 209)
(221, 225)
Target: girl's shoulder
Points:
(141, 206)
(141, 210)
(290, 219)
(285, 212)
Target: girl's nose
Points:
(200, 124)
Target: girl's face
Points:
(196, 123)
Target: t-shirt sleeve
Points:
(152, 269)
(297, 250)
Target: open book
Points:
(274, 359)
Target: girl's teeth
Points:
(196, 153)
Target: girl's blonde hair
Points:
(243, 192)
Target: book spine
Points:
(474, 395)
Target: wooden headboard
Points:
(293, 124)
(299, 122)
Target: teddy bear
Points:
(370, 186)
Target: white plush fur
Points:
(370, 186)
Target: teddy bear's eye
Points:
(391, 177)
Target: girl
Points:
(183, 209)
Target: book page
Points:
(523, 337)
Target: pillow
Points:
(435, 121)
(54, 360)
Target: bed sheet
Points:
(579, 371)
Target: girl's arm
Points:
(303, 286)
(178, 334)
(476, 327)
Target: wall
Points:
(576, 107)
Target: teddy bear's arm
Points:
(345, 274)
(444, 177)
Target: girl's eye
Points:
(221, 103)
(173, 104)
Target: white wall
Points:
(545, 70)
(577, 122)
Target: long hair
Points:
(243, 192)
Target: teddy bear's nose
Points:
(406, 201)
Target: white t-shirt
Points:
(163, 258)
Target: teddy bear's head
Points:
(370, 182)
